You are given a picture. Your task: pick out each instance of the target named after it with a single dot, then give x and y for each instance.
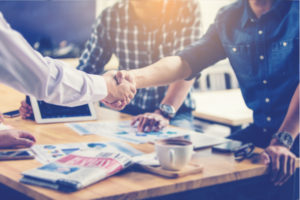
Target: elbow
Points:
(183, 70)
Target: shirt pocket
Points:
(241, 58)
(283, 57)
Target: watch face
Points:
(285, 138)
(167, 110)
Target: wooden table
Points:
(224, 106)
(132, 184)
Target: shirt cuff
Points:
(100, 88)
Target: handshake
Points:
(121, 89)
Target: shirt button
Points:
(265, 82)
(284, 44)
(265, 130)
(267, 100)
(261, 57)
(260, 32)
(234, 49)
(268, 119)
(252, 20)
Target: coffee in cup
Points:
(173, 154)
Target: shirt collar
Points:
(278, 9)
(131, 16)
(247, 13)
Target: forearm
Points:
(163, 72)
(291, 120)
(177, 93)
(71, 87)
(29, 72)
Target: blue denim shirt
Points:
(264, 54)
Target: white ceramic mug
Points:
(173, 154)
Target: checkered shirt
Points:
(117, 31)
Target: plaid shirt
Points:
(137, 45)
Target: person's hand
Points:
(12, 138)
(282, 162)
(121, 90)
(118, 91)
(25, 110)
(124, 75)
(150, 122)
(117, 105)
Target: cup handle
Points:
(172, 156)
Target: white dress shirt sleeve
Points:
(24, 69)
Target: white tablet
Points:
(49, 113)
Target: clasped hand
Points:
(121, 89)
(282, 163)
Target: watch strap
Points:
(284, 138)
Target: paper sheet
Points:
(50, 152)
(4, 127)
(124, 131)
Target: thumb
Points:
(119, 77)
(265, 158)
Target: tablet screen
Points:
(53, 111)
(49, 113)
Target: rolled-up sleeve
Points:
(204, 52)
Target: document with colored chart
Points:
(77, 165)
(124, 131)
(77, 170)
(51, 152)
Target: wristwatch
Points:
(167, 111)
(284, 138)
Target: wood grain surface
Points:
(129, 184)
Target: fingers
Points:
(149, 122)
(282, 173)
(23, 139)
(275, 167)
(13, 138)
(288, 163)
(25, 110)
(149, 125)
(288, 174)
(265, 158)
(117, 105)
(120, 77)
(23, 142)
(124, 75)
(26, 135)
(119, 88)
(283, 164)
(262, 158)
(135, 120)
(142, 123)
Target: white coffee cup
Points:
(173, 154)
